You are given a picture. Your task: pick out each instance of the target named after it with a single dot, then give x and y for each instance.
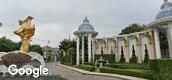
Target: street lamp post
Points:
(0, 24)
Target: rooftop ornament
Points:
(165, 0)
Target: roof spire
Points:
(165, 0)
(85, 20)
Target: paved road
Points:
(73, 75)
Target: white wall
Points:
(110, 44)
(100, 44)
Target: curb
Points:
(100, 74)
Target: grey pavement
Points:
(73, 75)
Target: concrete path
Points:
(73, 75)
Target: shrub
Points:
(66, 63)
(146, 57)
(107, 57)
(130, 72)
(89, 63)
(87, 67)
(49, 58)
(69, 59)
(161, 69)
(129, 66)
(133, 59)
(122, 59)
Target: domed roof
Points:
(86, 25)
(166, 10)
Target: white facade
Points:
(128, 43)
(139, 43)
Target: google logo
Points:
(12, 69)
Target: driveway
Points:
(73, 75)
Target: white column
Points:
(126, 53)
(138, 52)
(83, 49)
(157, 43)
(138, 49)
(89, 47)
(169, 37)
(93, 48)
(117, 58)
(77, 48)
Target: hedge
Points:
(87, 67)
(66, 63)
(122, 59)
(108, 57)
(146, 59)
(129, 72)
(133, 59)
(69, 59)
(161, 69)
(129, 66)
(89, 63)
(49, 59)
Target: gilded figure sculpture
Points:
(25, 32)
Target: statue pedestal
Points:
(22, 60)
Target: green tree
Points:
(36, 48)
(70, 57)
(72, 53)
(4, 48)
(133, 28)
(7, 45)
(66, 44)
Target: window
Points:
(132, 47)
(101, 50)
(121, 48)
(145, 46)
(111, 50)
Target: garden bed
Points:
(87, 67)
(129, 72)
(129, 66)
(161, 69)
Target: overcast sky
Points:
(56, 19)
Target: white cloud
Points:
(56, 19)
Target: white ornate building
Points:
(138, 42)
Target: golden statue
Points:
(25, 32)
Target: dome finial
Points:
(85, 17)
(85, 20)
(165, 0)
